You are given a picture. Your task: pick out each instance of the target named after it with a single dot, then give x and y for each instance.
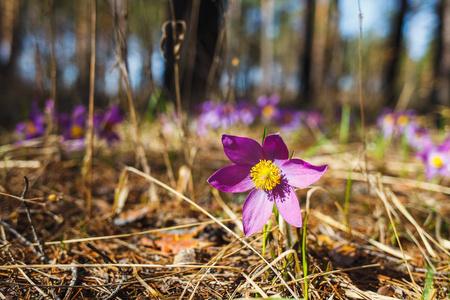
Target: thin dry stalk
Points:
(34, 285)
(357, 176)
(87, 168)
(33, 230)
(108, 237)
(165, 186)
(383, 198)
(273, 263)
(177, 83)
(210, 264)
(73, 281)
(227, 210)
(361, 92)
(423, 234)
(140, 150)
(151, 290)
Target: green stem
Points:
(347, 196)
(305, 263)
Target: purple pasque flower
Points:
(417, 137)
(216, 115)
(437, 160)
(73, 128)
(393, 124)
(246, 112)
(290, 119)
(73, 125)
(313, 119)
(34, 126)
(106, 122)
(386, 121)
(403, 119)
(270, 175)
(268, 108)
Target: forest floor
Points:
(390, 241)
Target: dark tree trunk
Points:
(392, 63)
(11, 86)
(305, 90)
(194, 76)
(441, 88)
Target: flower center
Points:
(403, 120)
(437, 161)
(31, 128)
(77, 131)
(265, 175)
(268, 111)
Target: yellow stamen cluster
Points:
(437, 161)
(268, 111)
(265, 175)
(77, 131)
(403, 120)
(31, 128)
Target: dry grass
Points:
(394, 245)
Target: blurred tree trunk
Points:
(322, 28)
(393, 52)
(305, 92)
(332, 67)
(82, 53)
(441, 89)
(9, 35)
(121, 33)
(266, 46)
(207, 39)
(11, 31)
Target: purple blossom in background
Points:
(169, 124)
(228, 115)
(246, 112)
(313, 119)
(34, 126)
(418, 137)
(49, 109)
(208, 117)
(386, 121)
(403, 119)
(290, 119)
(393, 124)
(106, 122)
(268, 107)
(270, 176)
(72, 127)
(437, 160)
(216, 115)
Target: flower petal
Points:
(256, 211)
(274, 147)
(300, 174)
(288, 206)
(232, 179)
(241, 150)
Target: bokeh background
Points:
(306, 51)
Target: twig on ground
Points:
(19, 236)
(36, 239)
(73, 281)
(34, 284)
(124, 277)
